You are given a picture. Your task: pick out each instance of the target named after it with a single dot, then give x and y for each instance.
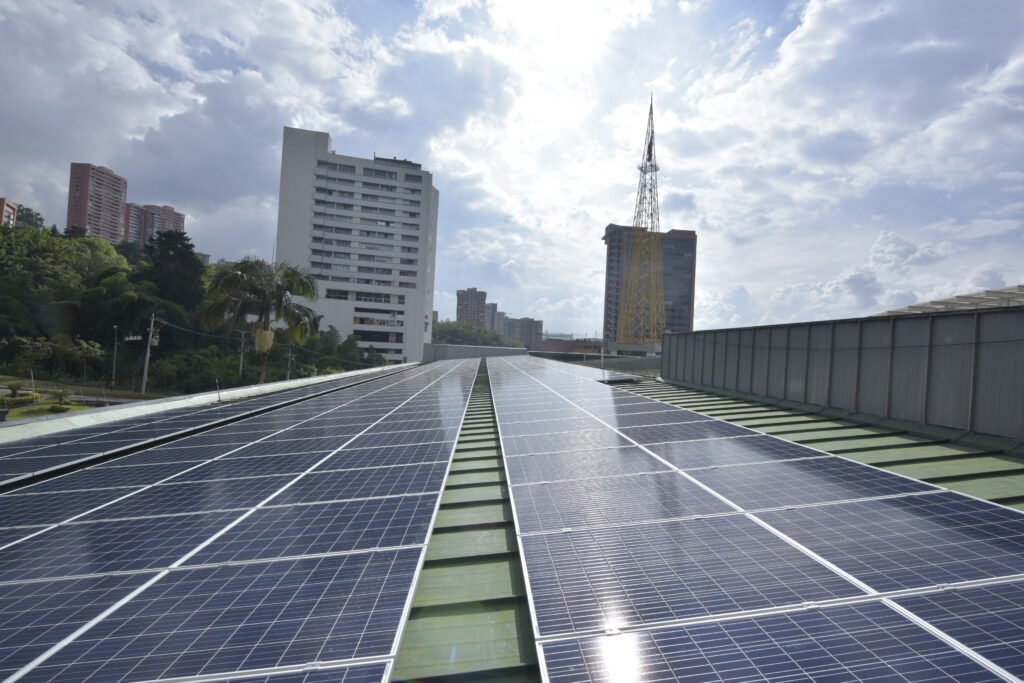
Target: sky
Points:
(835, 158)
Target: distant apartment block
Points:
(142, 223)
(367, 229)
(526, 330)
(490, 315)
(471, 306)
(678, 259)
(8, 213)
(500, 322)
(96, 201)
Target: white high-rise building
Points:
(367, 229)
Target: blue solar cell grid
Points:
(867, 642)
(319, 582)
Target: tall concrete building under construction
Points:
(649, 275)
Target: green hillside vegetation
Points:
(61, 296)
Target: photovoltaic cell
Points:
(800, 482)
(573, 424)
(988, 619)
(868, 642)
(612, 500)
(611, 578)
(911, 542)
(234, 618)
(531, 469)
(35, 616)
(324, 528)
(740, 451)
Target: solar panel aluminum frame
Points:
(969, 652)
(14, 482)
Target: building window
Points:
(413, 178)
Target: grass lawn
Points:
(38, 409)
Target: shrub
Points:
(58, 409)
(14, 388)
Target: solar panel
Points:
(611, 578)
(105, 477)
(46, 508)
(530, 469)
(686, 431)
(802, 482)
(194, 496)
(739, 451)
(246, 615)
(988, 619)
(75, 445)
(913, 541)
(612, 500)
(34, 616)
(568, 441)
(251, 616)
(659, 417)
(324, 528)
(381, 481)
(868, 642)
(109, 546)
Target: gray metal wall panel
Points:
(762, 338)
(796, 363)
(845, 359)
(909, 368)
(999, 388)
(873, 378)
(721, 354)
(950, 369)
(778, 341)
(818, 364)
(732, 359)
(746, 361)
(932, 373)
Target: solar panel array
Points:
(662, 544)
(25, 458)
(282, 547)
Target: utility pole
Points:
(241, 355)
(113, 372)
(149, 345)
(288, 375)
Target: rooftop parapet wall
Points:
(962, 370)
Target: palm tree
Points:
(254, 289)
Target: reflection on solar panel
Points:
(854, 643)
(240, 550)
(661, 544)
(28, 457)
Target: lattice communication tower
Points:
(642, 316)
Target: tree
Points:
(253, 288)
(29, 218)
(174, 269)
(461, 333)
(73, 232)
